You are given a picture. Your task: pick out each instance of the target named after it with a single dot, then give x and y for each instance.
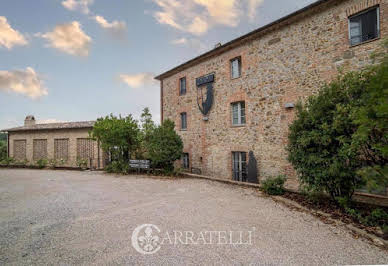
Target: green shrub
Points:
(384, 228)
(7, 161)
(82, 163)
(118, 136)
(52, 163)
(118, 167)
(338, 142)
(3, 150)
(377, 217)
(165, 146)
(41, 163)
(274, 185)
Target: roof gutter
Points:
(238, 41)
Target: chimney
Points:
(29, 121)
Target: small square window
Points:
(239, 161)
(235, 66)
(238, 113)
(185, 161)
(182, 86)
(364, 26)
(183, 121)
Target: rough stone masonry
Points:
(281, 63)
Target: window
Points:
(39, 149)
(185, 161)
(235, 65)
(239, 161)
(364, 26)
(182, 86)
(85, 149)
(183, 121)
(19, 149)
(238, 113)
(61, 149)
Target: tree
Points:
(118, 135)
(147, 124)
(147, 129)
(3, 146)
(165, 146)
(3, 150)
(339, 138)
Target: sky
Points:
(76, 60)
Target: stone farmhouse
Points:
(232, 105)
(67, 143)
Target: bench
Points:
(140, 165)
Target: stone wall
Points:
(61, 137)
(284, 64)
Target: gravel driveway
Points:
(71, 217)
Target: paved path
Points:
(70, 217)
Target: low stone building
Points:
(66, 143)
(233, 105)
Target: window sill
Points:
(361, 43)
(238, 126)
(235, 78)
(183, 129)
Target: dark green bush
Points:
(377, 217)
(165, 146)
(118, 167)
(274, 186)
(82, 163)
(339, 140)
(7, 161)
(3, 150)
(41, 163)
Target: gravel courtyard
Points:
(71, 217)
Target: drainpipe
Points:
(98, 154)
(7, 144)
(161, 101)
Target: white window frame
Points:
(186, 160)
(181, 92)
(239, 113)
(377, 8)
(184, 125)
(238, 59)
(242, 175)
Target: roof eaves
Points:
(237, 41)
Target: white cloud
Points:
(26, 82)
(179, 41)
(195, 44)
(117, 28)
(198, 26)
(69, 38)
(138, 80)
(78, 5)
(252, 8)
(8, 36)
(198, 16)
(225, 12)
